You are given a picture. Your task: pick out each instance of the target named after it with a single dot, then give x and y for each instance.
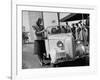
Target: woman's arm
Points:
(41, 31)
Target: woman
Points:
(39, 42)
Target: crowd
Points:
(80, 31)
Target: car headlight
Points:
(60, 44)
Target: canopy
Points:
(74, 16)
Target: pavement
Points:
(29, 59)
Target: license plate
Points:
(59, 55)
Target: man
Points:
(68, 28)
(85, 34)
(79, 31)
(73, 29)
